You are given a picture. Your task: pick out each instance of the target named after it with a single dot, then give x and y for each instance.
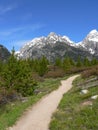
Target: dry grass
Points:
(93, 71)
(54, 72)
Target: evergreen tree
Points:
(94, 61)
(66, 64)
(42, 66)
(58, 62)
(36, 65)
(17, 75)
(79, 62)
(86, 62)
(72, 61)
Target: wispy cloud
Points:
(20, 43)
(5, 33)
(17, 37)
(4, 10)
(26, 17)
(21, 30)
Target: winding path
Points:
(39, 116)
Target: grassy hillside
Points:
(77, 111)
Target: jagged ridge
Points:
(54, 46)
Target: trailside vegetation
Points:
(20, 77)
(30, 79)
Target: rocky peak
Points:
(55, 45)
(90, 43)
(52, 34)
(92, 36)
(93, 31)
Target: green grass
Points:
(72, 114)
(11, 112)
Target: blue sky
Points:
(23, 20)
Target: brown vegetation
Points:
(92, 71)
(54, 72)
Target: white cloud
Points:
(19, 44)
(6, 9)
(21, 30)
(37, 26)
(26, 17)
(10, 32)
(5, 33)
(12, 37)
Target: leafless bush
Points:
(54, 72)
(92, 71)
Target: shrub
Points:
(93, 71)
(17, 75)
(54, 72)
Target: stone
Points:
(94, 97)
(84, 91)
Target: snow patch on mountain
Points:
(94, 39)
(93, 36)
(52, 38)
(93, 31)
(89, 44)
(91, 51)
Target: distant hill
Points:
(4, 53)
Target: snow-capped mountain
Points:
(90, 43)
(43, 45)
(54, 46)
(52, 38)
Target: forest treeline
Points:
(19, 76)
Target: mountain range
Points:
(56, 46)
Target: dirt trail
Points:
(39, 116)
